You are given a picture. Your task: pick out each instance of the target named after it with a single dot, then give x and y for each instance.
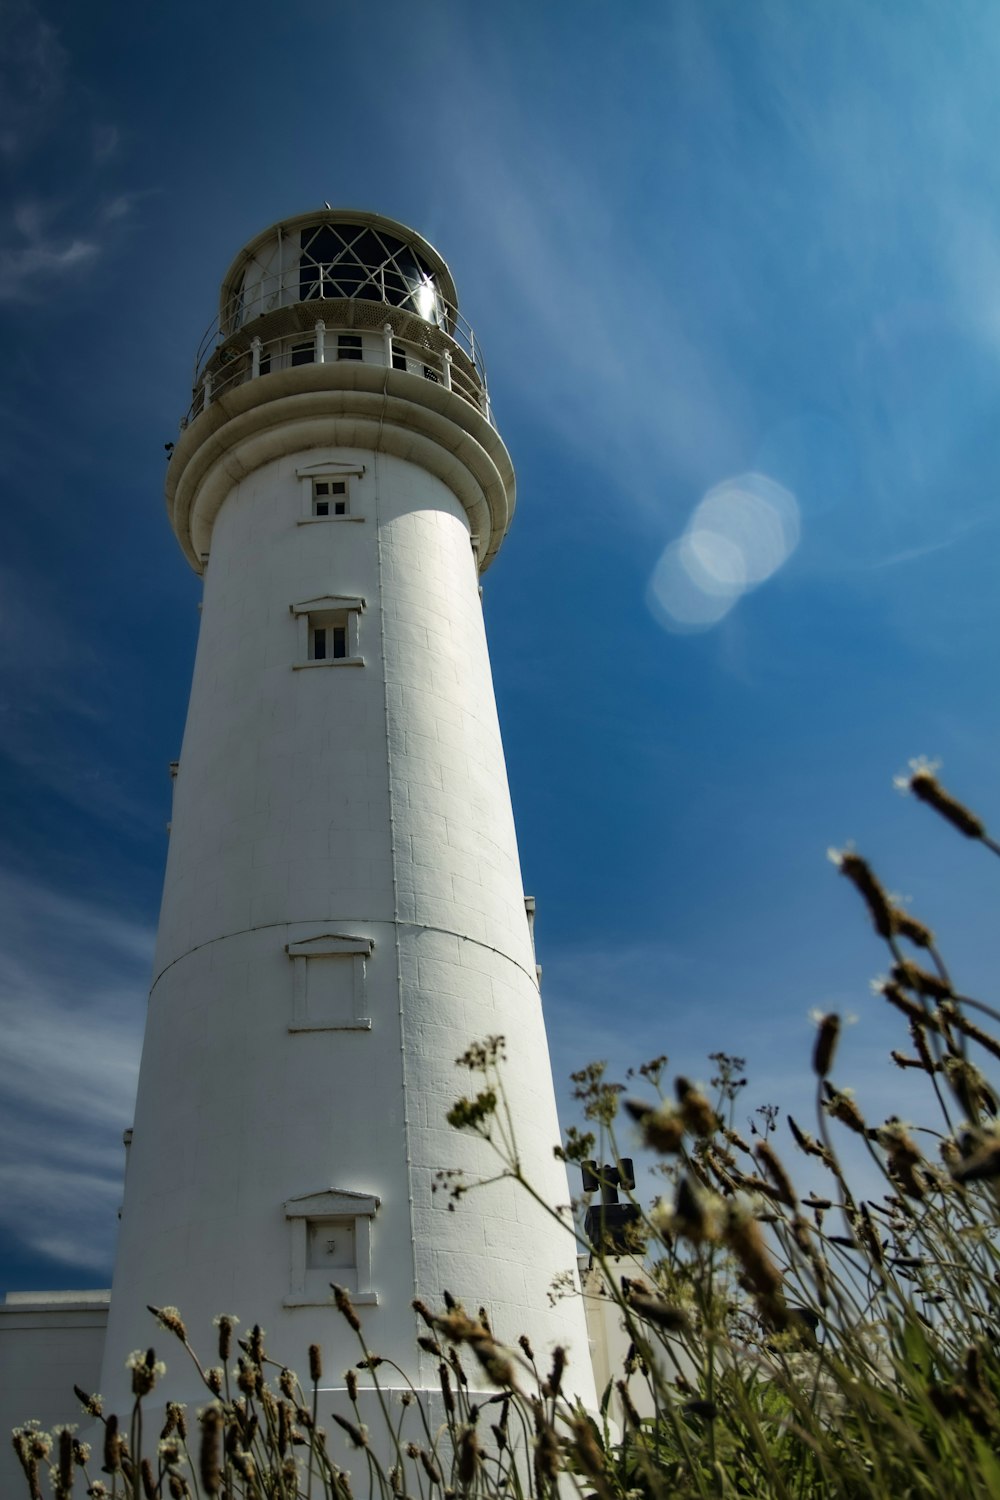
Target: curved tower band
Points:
(343, 910)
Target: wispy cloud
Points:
(31, 261)
(32, 75)
(612, 359)
(646, 388)
(72, 981)
(941, 544)
(47, 241)
(37, 253)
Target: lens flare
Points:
(740, 534)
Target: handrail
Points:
(282, 289)
(319, 345)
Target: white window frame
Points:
(305, 1289)
(332, 609)
(331, 498)
(329, 947)
(307, 477)
(354, 351)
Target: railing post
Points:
(255, 357)
(320, 342)
(387, 336)
(446, 369)
(207, 388)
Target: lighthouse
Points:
(343, 909)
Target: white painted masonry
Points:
(343, 909)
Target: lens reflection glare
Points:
(426, 299)
(739, 535)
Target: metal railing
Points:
(284, 289)
(235, 364)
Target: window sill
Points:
(362, 1023)
(358, 1299)
(343, 661)
(313, 520)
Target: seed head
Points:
(469, 1455)
(546, 1458)
(628, 1405)
(345, 1307)
(584, 1446)
(698, 1115)
(775, 1169)
(969, 1086)
(430, 1467)
(908, 927)
(554, 1382)
(982, 1166)
(64, 1472)
(424, 1311)
(225, 1323)
(690, 1218)
(925, 786)
(662, 1127)
(169, 1318)
(495, 1361)
(804, 1140)
(860, 874)
(146, 1369)
(112, 1445)
(903, 1159)
(654, 1310)
(921, 981)
(826, 1044)
(840, 1106)
(358, 1435)
(92, 1405)
(447, 1394)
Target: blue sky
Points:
(699, 242)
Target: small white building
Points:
(343, 911)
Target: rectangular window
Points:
(330, 497)
(398, 357)
(349, 346)
(330, 1245)
(331, 1240)
(304, 354)
(328, 643)
(329, 632)
(329, 983)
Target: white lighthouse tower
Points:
(343, 909)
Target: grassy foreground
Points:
(833, 1340)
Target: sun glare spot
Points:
(739, 535)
